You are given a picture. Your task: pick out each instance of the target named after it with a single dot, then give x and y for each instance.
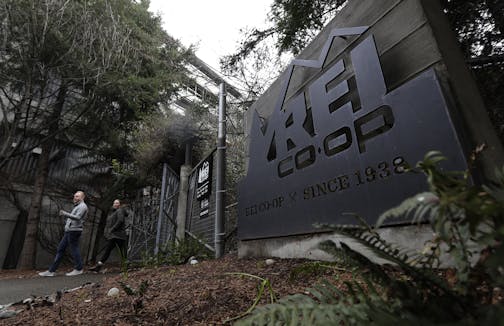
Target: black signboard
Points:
(341, 144)
(204, 184)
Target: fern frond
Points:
(376, 271)
(143, 287)
(128, 289)
(326, 292)
(392, 254)
(434, 157)
(302, 310)
(419, 208)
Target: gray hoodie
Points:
(75, 219)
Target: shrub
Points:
(177, 253)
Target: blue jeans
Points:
(70, 238)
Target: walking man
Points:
(73, 230)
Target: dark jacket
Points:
(116, 224)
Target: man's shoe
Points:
(74, 273)
(46, 273)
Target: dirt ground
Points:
(201, 294)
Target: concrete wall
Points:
(306, 246)
(414, 238)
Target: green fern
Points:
(131, 291)
(416, 209)
(462, 216)
(303, 310)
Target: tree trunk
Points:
(99, 234)
(28, 254)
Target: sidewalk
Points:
(13, 290)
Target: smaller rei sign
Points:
(203, 188)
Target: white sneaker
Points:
(46, 273)
(74, 273)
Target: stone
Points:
(113, 292)
(270, 261)
(8, 313)
(28, 300)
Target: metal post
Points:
(185, 171)
(188, 153)
(161, 208)
(221, 171)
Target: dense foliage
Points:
(108, 61)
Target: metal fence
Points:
(145, 216)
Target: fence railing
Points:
(145, 216)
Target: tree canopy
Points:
(109, 61)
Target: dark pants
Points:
(114, 243)
(70, 238)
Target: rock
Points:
(270, 261)
(9, 313)
(113, 292)
(193, 262)
(53, 298)
(28, 300)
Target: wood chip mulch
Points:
(201, 294)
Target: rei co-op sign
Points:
(340, 143)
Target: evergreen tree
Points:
(77, 70)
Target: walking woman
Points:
(115, 233)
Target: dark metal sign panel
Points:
(204, 184)
(341, 144)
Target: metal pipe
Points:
(188, 153)
(221, 172)
(161, 208)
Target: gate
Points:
(145, 217)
